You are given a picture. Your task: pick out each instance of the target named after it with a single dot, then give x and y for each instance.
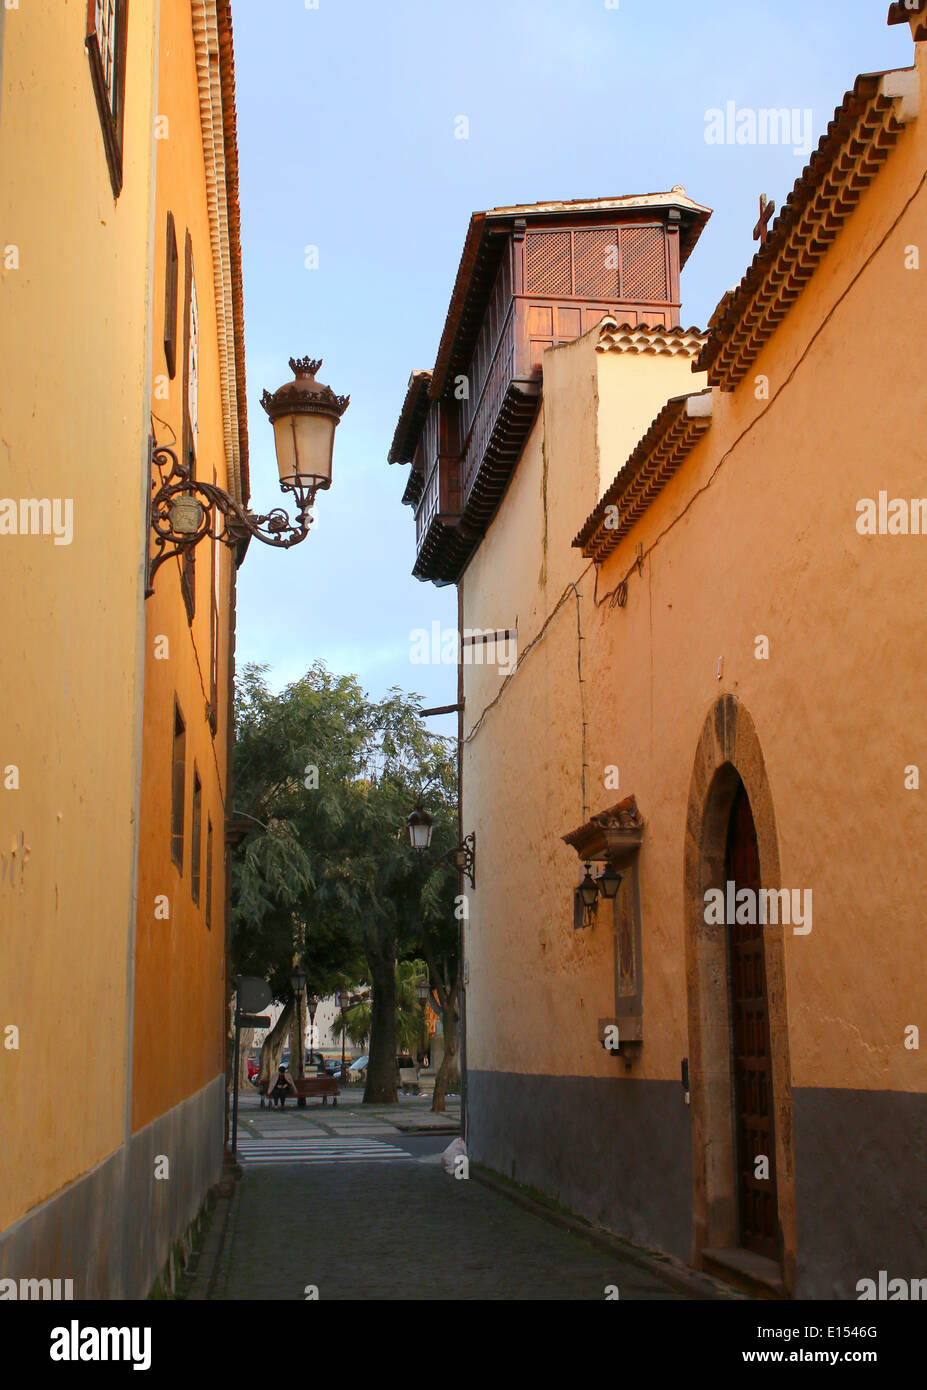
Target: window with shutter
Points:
(106, 48)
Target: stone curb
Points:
(663, 1267)
(211, 1257)
(426, 1129)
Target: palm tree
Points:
(356, 1021)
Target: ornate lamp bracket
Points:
(183, 510)
(464, 856)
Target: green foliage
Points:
(357, 1019)
(327, 870)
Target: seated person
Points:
(283, 1087)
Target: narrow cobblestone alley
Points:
(364, 1210)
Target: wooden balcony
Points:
(530, 278)
(442, 548)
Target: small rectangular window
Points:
(209, 871)
(106, 48)
(197, 835)
(178, 780)
(170, 298)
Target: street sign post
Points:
(251, 994)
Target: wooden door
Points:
(750, 1052)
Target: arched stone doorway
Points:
(729, 802)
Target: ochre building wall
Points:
(180, 962)
(74, 368)
(754, 536)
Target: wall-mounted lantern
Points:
(609, 881)
(462, 856)
(589, 889)
(304, 414)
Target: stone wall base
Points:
(112, 1230)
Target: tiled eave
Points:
(679, 425)
(442, 555)
(913, 12)
(625, 337)
(215, 74)
(613, 836)
(411, 418)
(415, 486)
(849, 155)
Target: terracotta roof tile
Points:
(230, 140)
(641, 337)
(848, 157)
(652, 462)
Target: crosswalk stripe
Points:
(318, 1151)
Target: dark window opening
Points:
(197, 835)
(178, 779)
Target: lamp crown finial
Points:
(305, 366)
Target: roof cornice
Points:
(411, 418)
(913, 12)
(657, 456)
(215, 70)
(851, 152)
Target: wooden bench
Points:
(323, 1086)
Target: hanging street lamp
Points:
(462, 856)
(304, 414)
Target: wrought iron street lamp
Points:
(462, 856)
(304, 414)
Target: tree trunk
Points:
(380, 950)
(247, 1036)
(273, 1047)
(448, 1078)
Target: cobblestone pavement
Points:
(405, 1230)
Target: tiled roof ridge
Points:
(653, 460)
(615, 336)
(864, 129)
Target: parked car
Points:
(358, 1069)
(253, 1069)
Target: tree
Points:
(325, 779)
(356, 1022)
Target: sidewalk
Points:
(411, 1115)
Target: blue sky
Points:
(346, 118)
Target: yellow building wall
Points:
(537, 987)
(74, 368)
(180, 962)
(769, 548)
